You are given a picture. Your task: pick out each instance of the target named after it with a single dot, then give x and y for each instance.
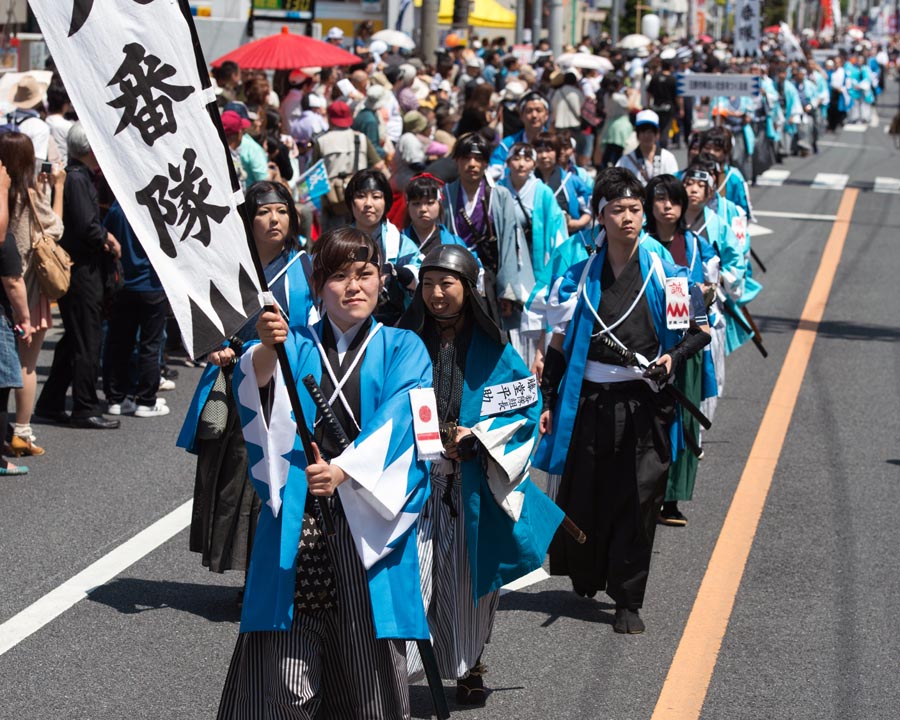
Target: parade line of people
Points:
(510, 272)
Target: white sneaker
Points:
(166, 384)
(149, 411)
(126, 407)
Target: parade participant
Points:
(325, 616)
(718, 142)
(662, 93)
(840, 98)
(727, 332)
(424, 195)
(648, 160)
(807, 133)
(543, 225)
(225, 510)
(485, 218)
(30, 213)
(612, 486)
(861, 83)
(369, 198)
(789, 101)
(534, 111)
(76, 360)
(485, 524)
(667, 202)
(571, 193)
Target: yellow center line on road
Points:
(687, 682)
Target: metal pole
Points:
(616, 11)
(461, 16)
(430, 10)
(520, 20)
(537, 22)
(691, 19)
(556, 27)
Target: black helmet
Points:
(454, 258)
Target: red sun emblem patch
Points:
(425, 413)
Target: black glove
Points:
(554, 369)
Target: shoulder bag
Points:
(49, 261)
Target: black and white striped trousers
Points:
(329, 666)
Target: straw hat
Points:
(28, 93)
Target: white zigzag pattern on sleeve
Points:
(275, 439)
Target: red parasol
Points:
(705, 39)
(772, 30)
(287, 52)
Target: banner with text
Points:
(146, 103)
(747, 24)
(713, 85)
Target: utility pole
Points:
(520, 20)
(460, 18)
(556, 27)
(616, 11)
(537, 22)
(430, 10)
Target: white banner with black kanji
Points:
(747, 28)
(136, 76)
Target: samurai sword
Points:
(631, 358)
(758, 261)
(337, 433)
(745, 320)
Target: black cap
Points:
(454, 258)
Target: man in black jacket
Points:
(76, 361)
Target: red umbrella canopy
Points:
(287, 52)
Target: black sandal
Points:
(470, 690)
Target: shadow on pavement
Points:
(132, 595)
(559, 603)
(421, 705)
(837, 329)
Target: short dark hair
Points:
(254, 200)
(365, 180)
(670, 187)
(471, 144)
(547, 140)
(225, 70)
(614, 183)
(57, 96)
(718, 137)
(336, 249)
(423, 187)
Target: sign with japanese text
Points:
(146, 104)
(509, 396)
(747, 28)
(713, 85)
(284, 9)
(678, 303)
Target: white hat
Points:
(316, 101)
(475, 62)
(335, 33)
(378, 47)
(445, 86)
(646, 117)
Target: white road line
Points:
(793, 216)
(756, 231)
(887, 185)
(830, 181)
(849, 146)
(523, 582)
(773, 178)
(76, 588)
(856, 128)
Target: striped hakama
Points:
(330, 664)
(459, 628)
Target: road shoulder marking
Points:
(684, 690)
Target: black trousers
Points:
(665, 124)
(835, 116)
(76, 361)
(612, 487)
(133, 311)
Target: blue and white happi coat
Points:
(509, 521)
(574, 300)
(386, 488)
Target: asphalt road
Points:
(814, 631)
